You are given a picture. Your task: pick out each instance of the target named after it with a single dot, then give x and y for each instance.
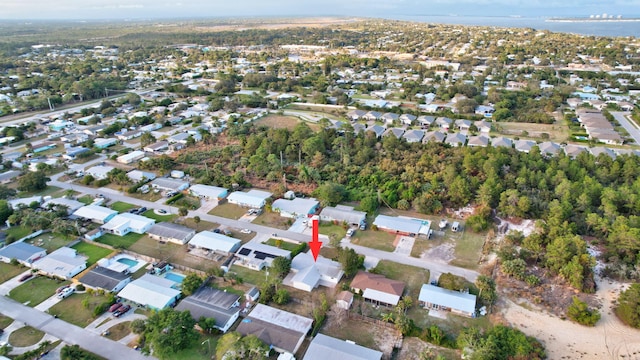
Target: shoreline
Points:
(592, 20)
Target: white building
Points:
(208, 192)
(124, 223)
(131, 157)
(151, 291)
(215, 242)
(99, 172)
(296, 208)
(63, 263)
(434, 297)
(254, 198)
(306, 274)
(95, 213)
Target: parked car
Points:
(443, 224)
(61, 288)
(162, 211)
(25, 277)
(141, 210)
(66, 293)
(226, 232)
(123, 310)
(350, 232)
(115, 307)
(217, 231)
(245, 231)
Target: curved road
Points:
(68, 333)
(621, 118)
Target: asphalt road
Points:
(627, 125)
(68, 333)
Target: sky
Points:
(151, 9)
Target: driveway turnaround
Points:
(68, 333)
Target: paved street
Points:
(68, 333)
(621, 117)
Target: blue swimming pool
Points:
(131, 263)
(177, 278)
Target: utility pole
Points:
(50, 104)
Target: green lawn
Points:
(413, 276)
(5, 321)
(121, 207)
(47, 191)
(451, 326)
(86, 199)
(285, 245)
(94, 252)
(204, 348)
(72, 310)
(18, 232)
(120, 242)
(36, 290)
(202, 225)
(172, 253)
(229, 211)
(119, 331)
(159, 218)
(8, 271)
(249, 276)
(189, 202)
(468, 249)
(50, 241)
(336, 232)
(380, 240)
(25, 336)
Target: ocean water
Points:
(538, 23)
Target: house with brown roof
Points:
(377, 288)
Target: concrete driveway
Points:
(12, 283)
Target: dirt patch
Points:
(413, 348)
(441, 253)
(563, 339)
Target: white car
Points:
(245, 231)
(350, 232)
(66, 293)
(443, 224)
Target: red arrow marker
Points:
(315, 245)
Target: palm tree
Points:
(388, 317)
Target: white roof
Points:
(15, 203)
(344, 213)
(297, 206)
(61, 262)
(408, 225)
(213, 241)
(131, 156)
(452, 299)
(94, 212)
(308, 271)
(281, 318)
(151, 291)
(208, 191)
(129, 220)
(73, 205)
(252, 198)
(137, 175)
(381, 296)
(99, 171)
(169, 183)
(325, 347)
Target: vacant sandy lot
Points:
(609, 339)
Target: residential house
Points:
(24, 202)
(524, 145)
(139, 176)
(151, 291)
(306, 274)
(549, 148)
(215, 242)
(157, 147)
(63, 263)
(480, 140)
(23, 252)
(413, 136)
(99, 172)
(407, 119)
(124, 223)
(434, 136)
(296, 208)
(73, 152)
(502, 141)
(69, 204)
(105, 279)
(170, 232)
(101, 143)
(378, 289)
(376, 129)
(483, 126)
(425, 121)
(255, 199)
(356, 115)
(455, 139)
(372, 116)
(358, 128)
(94, 130)
(208, 192)
(213, 303)
(443, 123)
(95, 213)
(8, 176)
(129, 135)
(131, 157)
(598, 150)
(257, 256)
(324, 347)
(169, 184)
(343, 214)
(389, 118)
(282, 331)
(402, 225)
(572, 150)
(437, 298)
(74, 138)
(397, 132)
(463, 125)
